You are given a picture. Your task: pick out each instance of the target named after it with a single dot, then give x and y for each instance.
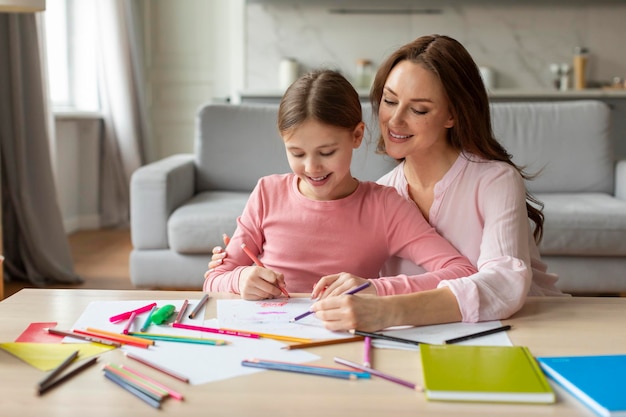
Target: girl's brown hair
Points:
(469, 104)
(323, 95)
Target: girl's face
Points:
(320, 155)
(414, 112)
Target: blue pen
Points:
(146, 324)
(352, 291)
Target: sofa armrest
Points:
(156, 190)
(620, 179)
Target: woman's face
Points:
(414, 112)
(320, 155)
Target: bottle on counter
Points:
(287, 72)
(364, 73)
(580, 67)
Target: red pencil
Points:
(259, 263)
(158, 367)
(214, 330)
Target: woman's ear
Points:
(450, 122)
(357, 135)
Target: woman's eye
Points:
(419, 112)
(389, 102)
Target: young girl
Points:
(319, 220)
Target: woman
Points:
(434, 117)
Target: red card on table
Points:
(35, 333)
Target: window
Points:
(71, 45)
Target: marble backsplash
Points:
(517, 41)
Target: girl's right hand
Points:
(257, 283)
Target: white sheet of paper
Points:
(200, 363)
(273, 316)
(439, 333)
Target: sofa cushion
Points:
(195, 226)
(567, 143)
(583, 224)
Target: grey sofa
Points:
(181, 205)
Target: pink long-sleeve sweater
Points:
(306, 239)
(479, 207)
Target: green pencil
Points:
(181, 339)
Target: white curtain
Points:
(122, 101)
(35, 245)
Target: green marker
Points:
(163, 313)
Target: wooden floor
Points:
(100, 258)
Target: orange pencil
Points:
(259, 263)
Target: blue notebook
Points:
(599, 382)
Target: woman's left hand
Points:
(348, 312)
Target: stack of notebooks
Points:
(512, 374)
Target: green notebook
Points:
(483, 373)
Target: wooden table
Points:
(548, 326)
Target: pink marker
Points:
(126, 315)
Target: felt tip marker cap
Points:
(162, 314)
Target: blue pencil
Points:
(146, 324)
(352, 291)
(305, 369)
(133, 390)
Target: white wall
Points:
(75, 154)
(193, 54)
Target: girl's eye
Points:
(327, 153)
(298, 155)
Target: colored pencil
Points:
(385, 337)
(148, 322)
(181, 339)
(136, 392)
(199, 306)
(257, 261)
(275, 336)
(68, 375)
(323, 343)
(131, 320)
(301, 369)
(122, 338)
(214, 330)
(478, 334)
(358, 374)
(350, 292)
(367, 350)
(126, 315)
(378, 374)
(181, 312)
(93, 339)
(159, 368)
(174, 394)
(154, 392)
(56, 371)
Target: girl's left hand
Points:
(337, 284)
